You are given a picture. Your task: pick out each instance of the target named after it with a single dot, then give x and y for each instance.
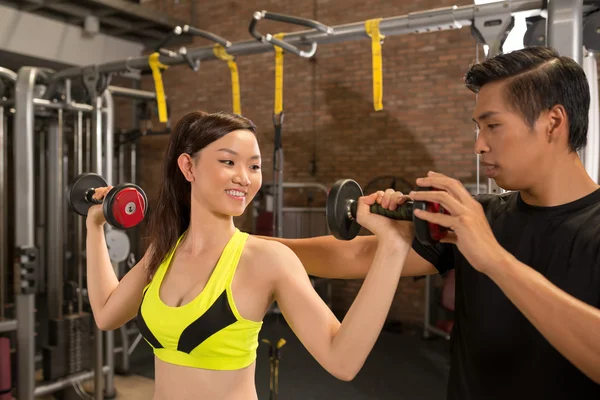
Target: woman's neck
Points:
(208, 230)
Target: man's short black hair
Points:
(538, 78)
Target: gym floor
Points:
(402, 366)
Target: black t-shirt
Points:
(496, 353)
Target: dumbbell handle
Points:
(404, 212)
(89, 196)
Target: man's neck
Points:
(566, 181)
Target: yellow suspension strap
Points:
(274, 357)
(155, 66)
(278, 145)
(372, 29)
(220, 52)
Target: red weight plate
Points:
(129, 207)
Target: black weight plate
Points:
(77, 189)
(340, 225)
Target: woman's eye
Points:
(255, 167)
(227, 162)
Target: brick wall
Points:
(330, 129)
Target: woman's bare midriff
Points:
(185, 383)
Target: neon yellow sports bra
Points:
(207, 332)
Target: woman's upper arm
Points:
(124, 302)
(306, 313)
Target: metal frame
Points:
(10, 76)
(419, 22)
(567, 22)
(102, 136)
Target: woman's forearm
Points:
(363, 323)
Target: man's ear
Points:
(557, 123)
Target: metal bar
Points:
(426, 21)
(68, 98)
(565, 28)
(301, 185)
(65, 383)
(88, 143)
(108, 173)
(8, 74)
(55, 218)
(79, 241)
(24, 213)
(427, 306)
(8, 325)
(438, 332)
(63, 106)
(136, 341)
(131, 93)
(96, 140)
(96, 167)
(124, 345)
(41, 211)
(134, 162)
(304, 209)
(5, 212)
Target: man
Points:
(527, 323)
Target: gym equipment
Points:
(118, 245)
(124, 206)
(274, 357)
(5, 370)
(70, 346)
(342, 205)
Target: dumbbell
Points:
(124, 206)
(342, 202)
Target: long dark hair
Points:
(170, 216)
(537, 79)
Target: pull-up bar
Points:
(440, 19)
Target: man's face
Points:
(512, 153)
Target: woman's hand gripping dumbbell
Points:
(123, 206)
(342, 205)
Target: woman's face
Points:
(226, 173)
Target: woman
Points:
(203, 287)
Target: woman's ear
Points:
(186, 164)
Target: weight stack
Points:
(70, 347)
(5, 370)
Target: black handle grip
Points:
(297, 21)
(258, 15)
(404, 212)
(89, 196)
(175, 32)
(207, 35)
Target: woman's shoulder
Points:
(269, 254)
(266, 249)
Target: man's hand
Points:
(470, 230)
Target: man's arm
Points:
(570, 325)
(328, 257)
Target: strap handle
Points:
(372, 29)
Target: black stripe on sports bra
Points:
(144, 330)
(217, 317)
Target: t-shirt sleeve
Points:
(439, 254)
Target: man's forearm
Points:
(569, 324)
(328, 257)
